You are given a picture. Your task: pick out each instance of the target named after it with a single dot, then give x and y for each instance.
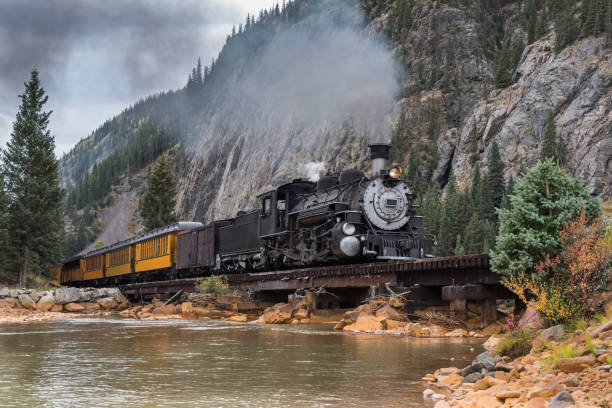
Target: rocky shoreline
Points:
(29, 305)
(561, 370)
(377, 316)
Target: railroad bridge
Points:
(454, 281)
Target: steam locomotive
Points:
(340, 218)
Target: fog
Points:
(97, 58)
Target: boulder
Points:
(88, 294)
(484, 360)
(4, 292)
(90, 306)
(572, 381)
(187, 309)
(237, 318)
(147, 309)
(34, 295)
(544, 390)
(485, 401)
(118, 297)
(277, 314)
(368, 324)
(448, 371)
(45, 303)
(56, 308)
(562, 400)
(530, 320)
(601, 328)
(394, 325)
(164, 310)
(110, 292)
(536, 403)
(8, 302)
(575, 364)
(73, 307)
(505, 393)
(553, 333)
(387, 312)
(26, 301)
(471, 378)
(490, 330)
(301, 313)
(451, 380)
(456, 333)
(67, 295)
(486, 383)
(339, 326)
(107, 303)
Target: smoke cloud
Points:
(325, 69)
(313, 170)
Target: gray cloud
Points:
(96, 58)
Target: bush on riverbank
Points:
(517, 344)
(216, 284)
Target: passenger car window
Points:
(266, 206)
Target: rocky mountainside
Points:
(311, 85)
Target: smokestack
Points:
(379, 153)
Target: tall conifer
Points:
(159, 198)
(496, 176)
(32, 185)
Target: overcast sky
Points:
(97, 57)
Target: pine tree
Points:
(459, 248)
(474, 235)
(549, 141)
(502, 68)
(32, 185)
(532, 15)
(475, 191)
(198, 78)
(159, 198)
(496, 176)
(412, 172)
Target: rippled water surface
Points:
(126, 363)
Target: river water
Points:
(89, 362)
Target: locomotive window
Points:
(391, 203)
(266, 206)
(280, 204)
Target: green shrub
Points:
(517, 344)
(214, 284)
(590, 345)
(562, 352)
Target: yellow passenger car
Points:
(157, 252)
(118, 261)
(94, 267)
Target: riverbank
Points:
(560, 370)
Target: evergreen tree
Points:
(502, 68)
(475, 191)
(159, 198)
(532, 15)
(496, 176)
(459, 248)
(431, 209)
(32, 185)
(485, 206)
(549, 141)
(544, 199)
(507, 193)
(474, 235)
(412, 172)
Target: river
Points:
(88, 362)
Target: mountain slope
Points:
(316, 82)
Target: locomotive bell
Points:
(379, 153)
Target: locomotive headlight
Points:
(395, 172)
(348, 228)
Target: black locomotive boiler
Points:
(339, 218)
